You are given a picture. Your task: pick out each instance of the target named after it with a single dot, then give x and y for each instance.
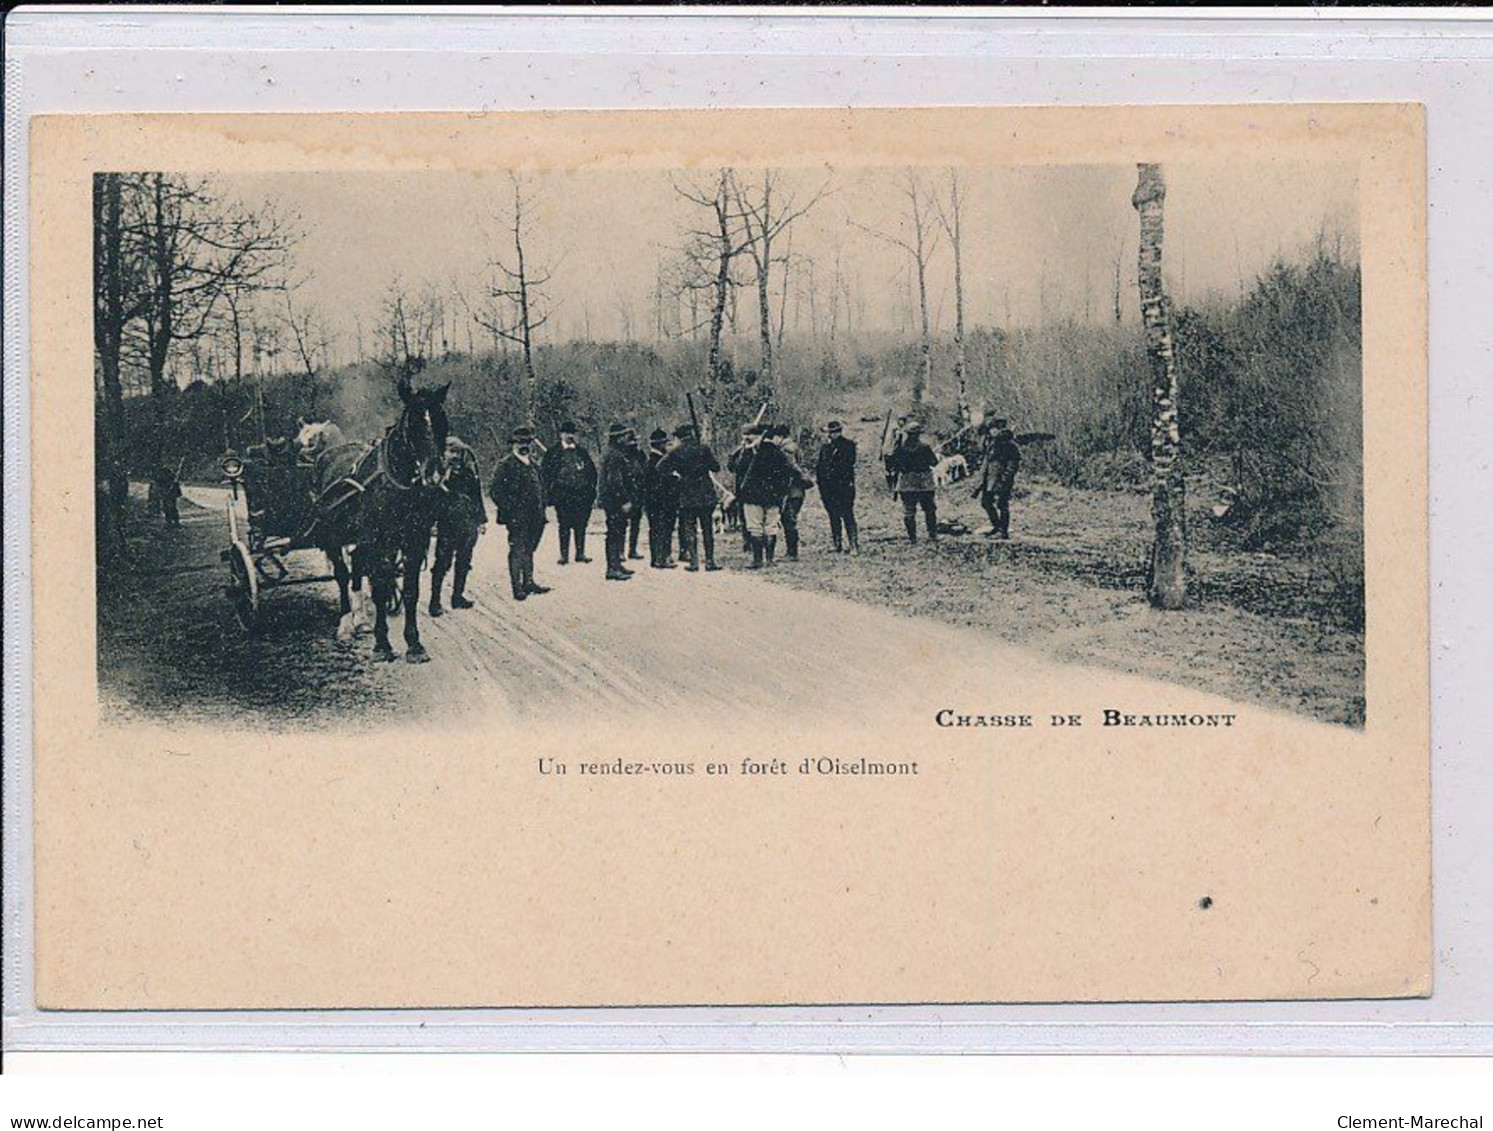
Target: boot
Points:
(692, 555)
(757, 552)
(772, 547)
(461, 601)
(791, 545)
(434, 608)
(580, 545)
(911, 523)
(932, 529)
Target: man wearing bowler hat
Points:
(835, 472)
(619, 491)
(518, 500)
(569, 477)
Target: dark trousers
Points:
(911, 501)
(661, 523)
(789, 518)
(998, 510)
(634, 528)
(696, 526)
(454, 543)
(841, 508)
(522, 542)
(572, 521)
(617, 524)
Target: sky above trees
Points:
(1040, 244)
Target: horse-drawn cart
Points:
(280, 511)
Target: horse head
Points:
(421, 433)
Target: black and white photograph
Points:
(652, 440)
(776, 558)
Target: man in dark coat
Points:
(763, 478)
(661, 501)
(463, 519)
(619, 490)
(1001, 460)
(694, 464)
(835, 472)
(913, 462)
(165, 490)
(635, 518)
(569, 477)
(518, 503)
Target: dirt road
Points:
(733, 645)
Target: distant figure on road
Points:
(763, 476)
(694, 463)
(463, 519)
(835, 471)
(620, 492)
(635, 518)
(569, 477)
(798, 485)
(165, 490)
(913, 463)
(1001, 460)
(518, 503)
(661, 501)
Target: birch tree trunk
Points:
(1167, 588)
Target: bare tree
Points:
(921, 211)
(767, 209)
(197, 253)
(118, 298)
(515, 290)
(710, 253)
(951, 218)
(1168, 582)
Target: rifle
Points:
(694, 418)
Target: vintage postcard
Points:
(730, 558)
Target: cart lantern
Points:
(233, 467)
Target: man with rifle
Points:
(1001, 460)
(694, 465)
(913, 463)
(763, 479)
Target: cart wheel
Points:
(243, 588)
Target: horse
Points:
(383, 500)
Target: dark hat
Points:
(834, 427)
(781, 430)
(752, 430)
(913, 426)
(523, 434)
(686, 431)
(657, 436)
(617, 430)
(998, 422)
(568, 427)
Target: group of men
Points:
(911, 475)
(674, 483)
